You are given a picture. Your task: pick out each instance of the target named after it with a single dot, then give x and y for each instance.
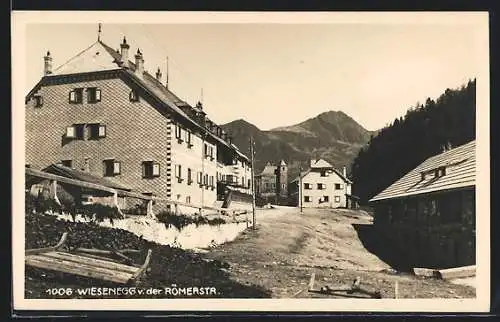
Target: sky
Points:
(276, 75)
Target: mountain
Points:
(332, 135)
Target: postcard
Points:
(246, 161)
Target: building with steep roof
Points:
(429, 213)
(271, 183)
(103, 114)
(321, 186)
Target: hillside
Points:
(332, 135)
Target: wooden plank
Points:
(143, 267)
(103, 258)
(92, 261)
(77, 269)
(458, 272)
(79, 183)
(426, 272)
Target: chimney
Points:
(158, 75)
(47, 68)
(124, 52)
(344, 172)
(139, 63)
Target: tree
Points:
(423, 132)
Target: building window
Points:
(150, 169)
(321, 186)
(212, 184)
(337, 198)
(206, 153)
(38, 100)
(97, 131)
(249, 183)
(323, 173)
(178, 172)
(326, 198)
(93, 95)
(76, 96)
(338, 186)
(188, 138)
(75, 131)
(307, 198)
(189, 177)
(133, 96)
(188, 199)
(178, 133)
(67, 163)
(200, 178)
(307, 186)
(111, 167)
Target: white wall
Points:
(193, 158)
(336, 197)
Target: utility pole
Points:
(300, 188)
(253, 183)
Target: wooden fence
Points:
(122, 193)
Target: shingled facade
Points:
(104, 114)
(428, 216)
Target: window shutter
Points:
(199, 177)
(178, 131)
(116, 167)
(97, 95)
(102, 131)
(38, 101)
(143, 169)
(72, 97)
(156, 169)
(70, 132)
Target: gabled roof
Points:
(268, 170)
(97, 57)
(320, 164)
(459, 165)
(71, 173)
(101, 57)
(347, 180)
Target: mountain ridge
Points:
(332, 135)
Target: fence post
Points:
(149, 208)
(54, 187)
(115, 203)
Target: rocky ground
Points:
(168, 265)
(285, 250)
(274, 261)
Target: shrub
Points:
(180, 221)
(98, 212)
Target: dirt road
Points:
(288, 247)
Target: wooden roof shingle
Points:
(459, 166)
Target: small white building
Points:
(322, 186)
